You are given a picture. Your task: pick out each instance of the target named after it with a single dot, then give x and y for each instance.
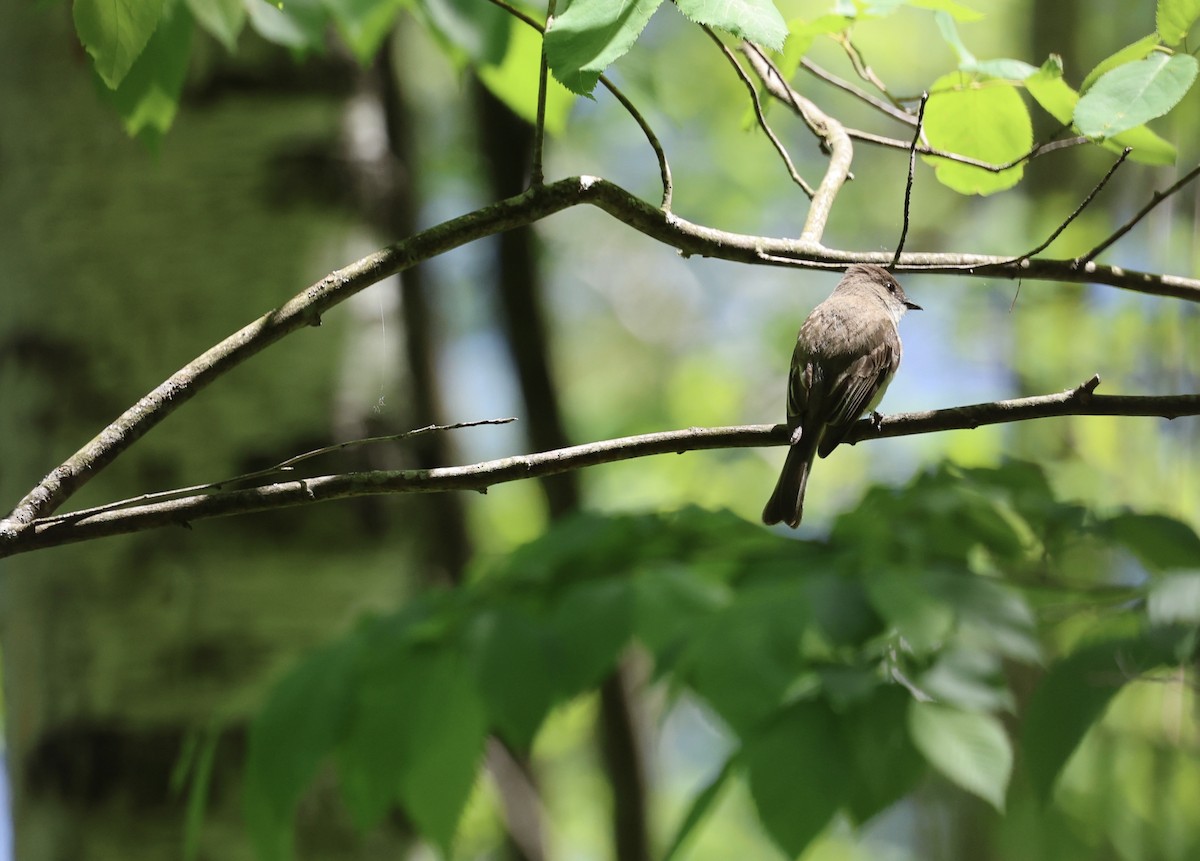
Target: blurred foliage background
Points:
(122, 259)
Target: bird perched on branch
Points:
(846, 354)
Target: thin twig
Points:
(908, 185)
(922, 149)
(758, 112)
(281, 467)
(1155, 199)
(1082, 206)
(90, 524)
(537, 175)
(858, 93)
(863, 70)
(664, 169)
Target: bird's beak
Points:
(912, 306)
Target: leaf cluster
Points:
(140, 52)
(847, 670)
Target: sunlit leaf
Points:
(949, 31)
(1008, 70)
(583, 41)
(515, 81)
(1134, 93)
(1135, 51)
(223, 19)
(971, 749)
(114, 32)
(756, 20)
(1059, 100)
(1174, 19)
(985, 120)
(801, 34)
(797, 774)
(148, 97)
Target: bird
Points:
(847, 352)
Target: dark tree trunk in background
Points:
(120, 267)
(507, 142)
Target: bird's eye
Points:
(891, 286)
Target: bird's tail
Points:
(786, 504)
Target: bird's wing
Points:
(861, 385)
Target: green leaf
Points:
(802, 34)
(515, 81)
(583, 41)
(670, 603)
(115, 32)
(797, 770)
(921, 618)
(1059, 100)
(470, 31)
(512, 655)
(593, 622)
(223, 19)
(970, 748)
(1162, 543)
(1136, 51)
(443, 726)
(1174, 19)
(986, 120)
(1072, 697)
(1134, 93)
(1049, 90)
(415, 738)
(700, 808)
(949, 31)
(148, 97)
(364, 24)
(744, 661)
(969, 678)
(756, 20)
(1007, 70)
(884, 761)
(1175, 599)
(1148, 147)
(296, 24)
(991, 615)
(305, 716)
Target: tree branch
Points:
(306, 308)
(89, 524)
(833, 134)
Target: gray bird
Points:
(846, 354)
